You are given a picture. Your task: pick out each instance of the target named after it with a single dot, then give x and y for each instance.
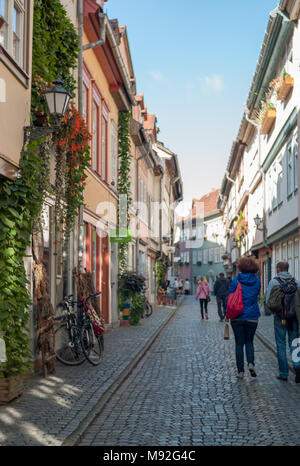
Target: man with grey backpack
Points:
(283, 300)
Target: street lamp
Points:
(258, 221)
(57, 99)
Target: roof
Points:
(210, 203)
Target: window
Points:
(279, 181)
(217, 255)
(104, 148)
(295, 160)
(205, 256)
(4, 29)
(95, 137)
(296, 259)
(114, 152)
(194, 255)
(85, 94)
(290, 257)
(290, 175)
(133, 178)
(200, 256)
(211, 255)
(11, 34)
(284, 256)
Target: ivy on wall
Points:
(20, 203)
(55, 52)
(124, 177)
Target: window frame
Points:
(13, 5)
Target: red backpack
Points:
(235, 303)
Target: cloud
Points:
(214, 82)
(158, 76)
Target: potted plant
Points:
(199, 262)
(283, 85)
(269, 118)
(225, 256)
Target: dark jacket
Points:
(250, 291)
(221, 287)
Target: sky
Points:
(194, 61)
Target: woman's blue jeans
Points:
(244, 332)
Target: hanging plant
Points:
(241, 228)
(73, 157)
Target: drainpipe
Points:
(82, 48)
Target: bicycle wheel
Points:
(68, 348)
(148, 309)
(91, 345)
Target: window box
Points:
(210, 262)
(268, 120)
(199, 262)
(285, 88)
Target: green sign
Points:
(120, 236)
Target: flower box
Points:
(10, 388)
(199, 263)
(285, 89)
(268, 121)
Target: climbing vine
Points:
(20, 202)
(124, 177)
(55, 52)
(160, 272)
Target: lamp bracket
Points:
(37, 132)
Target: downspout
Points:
(82, 48)
(247, 111)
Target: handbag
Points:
(226, 331)
(208, 298)
(235, 303)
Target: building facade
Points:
(259, 193)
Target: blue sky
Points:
(194, 62)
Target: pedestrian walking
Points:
(181, 283)
(245, 325)
(202, 293)
(220, 289)
(187, 286)
(286, 309)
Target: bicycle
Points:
(68, 346)
(147, 306)
(91, 331)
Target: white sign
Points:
(2, 91)
(171, 249)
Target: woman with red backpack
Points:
(243, 311)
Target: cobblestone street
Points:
(185, 393)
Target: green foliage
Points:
(124, 177)
(136, 308)
(20, 202)
(55, 49)
(160, 272)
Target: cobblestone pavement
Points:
(51, 409)
(185, 393)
